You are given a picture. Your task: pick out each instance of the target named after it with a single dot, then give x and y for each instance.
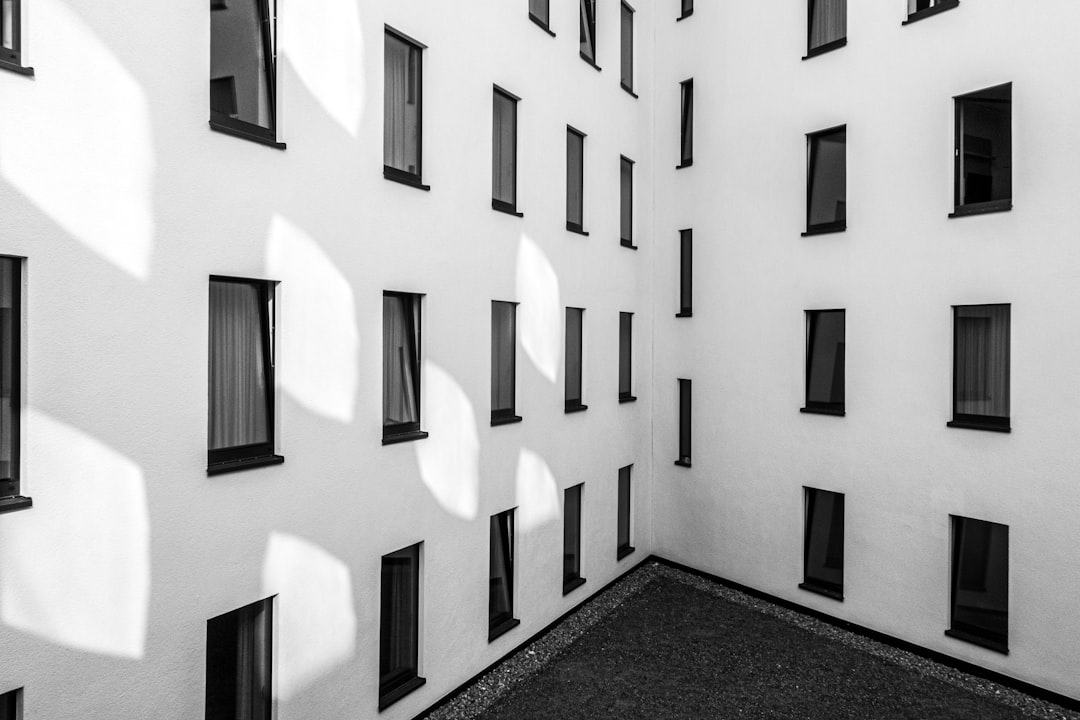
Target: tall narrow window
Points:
(538, 13)
(239, 662)
(11, 37)
(684, 423)
(981, 367)
(242, 76)
(827, 26)
(626, 202)
(826, 181)
(627, 64)
(503, 342)
(572, 394)
(399, 625)
(501, 576)
(823, 543)
(504, 152)
(401, 367)
(626, 357)
(572, 539)
(824, 362)
(980, 583)
(402, 109)
(10, 366)
(686, 273)
(11, 705)
(575, 180)
(241, 374)
(588, 31)
(623, 548)
(918, 9)
(983, 151)
(686, 126)
(687, 9)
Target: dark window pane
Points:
(684, 422)
(238, 663)
(571, 536)
(572, 394)
(826, 206)
(575, 177)
(823, 548)
(588, 29)
(504, 151)
(828, 22)
(825, 360)
(399, 618)
(501, 571)
(984, 146)
(981, 362)
(687, 124)
(687, 7)
(10, 321)
(686, 272)
(401, 106)
(502, 358)
(9, 705)
(980, 579)
(625, 353)
(242, 48)
(539, 10)
(627, 46)
(624, 508)
(9, 30)
(401, 363)
(626, 201)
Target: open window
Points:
(501, 576)
(823, 543)
(399, 625)
(983, 152)
(401, 367)
(980, 583)
(981, 367)
(826, 181)
(826, 26)
(572, 395)
(572, 539)
(588, 31)
(243, 81)
(402, 109)
(825, 362)
(239, 663)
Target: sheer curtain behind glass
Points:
(238, 663)
(623, 524)
(572, 534)
(575, 169)
(572, 394)
(401, 344)
(501, 570)
(588, 29)
(982, 361)
(9, 367)
(828, 22)
(539, 10)
(401, 106)
(626, 201)
(502, 358)
(503, 150)
(241, 48)
(7, 24)
(398, 618)
(827, 201)
(625, 353)
(627, 65)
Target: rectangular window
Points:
(501, 576)
(626, 331)
(687, 9)
(823, 543)
(572, 539)
(825, 362)
(827, 26)
(983, 151)
(11, 705)
(627, 80)
(538, 13)
(572, 395)
(239, 663)
(575, 180)
(588, 31)
(918, 9)
(686, 125)
(11, 36)
(826, 181)
(624, 548)
(686, 273)
(503, 347)
(402, 109)
(626, 202)
(241, 374)
(401, 367)
(504, 152)
(399, 625)
(981, 367)
(980, 583)
(10, 371)
(242, 69)
(684, 423)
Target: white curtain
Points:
(982, 360)
(253, 662)
(401, 324)
(828, 22)
(239, 332)
(828, 178)
(401, 140)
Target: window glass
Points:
(626, 202)
(623, 528)
(980, 582)
(10, 322)
(823, 544)
(687, 124)
(686, 272)
(399, 623)
(826, 204)
(238, 663)
(401, 363)
(828, 22)
(687, 7)
(825, 360)
(981, 364)
(9, 36)
(572, 394)
(684, 423)
(503, 331)
(575, 178)
(625, 355)
(401, 106)
(984, 147)
(501, 572)
(572, 539)
(588, 29)
(627, 65)
(10, 705)
(242, 64)
(538, 9)
(504, 152)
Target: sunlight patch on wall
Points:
(75, 569)
(449, 458)
(315, 616)
(325, 45)
(320, 341)
(537, 492)
(80, 146)
(540, 314)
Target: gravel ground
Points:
(688, 647)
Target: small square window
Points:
(686, 125)
(572, 539)
(626, 357)
(504, 152)
(239, 663)
(399, 625)
(575, 180)
(981, 367)
(588, 31)
(823, 543)
(402, 109)
(627, 64)
(501, 576)
(11, 705)
(11, 37)
(825, 362)
(918, 9)
(827, 26)
(980, 583)
(686, 273)
(983, 151)
(626, 202)
(826, 181)
(11, 497)
(684, 423)
(623, 547)
(503, 362)
(572, 395)
(243, 85)
(401, 367)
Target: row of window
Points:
(827, 21)
(979, 603)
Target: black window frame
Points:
(242, 457)
(830, 548)
(626, 47)
(573, 397)
(626, 357)
(988, 567)
(685, 422)
(815, 50)
(572, 504)
(813, 141)
(916, 13)
(497, 204)
(814, 319)
(223, 635)
(686, 273)
(223, 122)
(543, 22)
(626, 202)
(686, 124)
(624, 520)
(402, 432)
(575, 177)
(963, 157)
(504, 415)
(11, 353)
(395, 684)
(11, 58)
(970, 421)
(501, 545)
(686, 9)
(401, 175)
(587, 31)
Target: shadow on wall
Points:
(541, 313)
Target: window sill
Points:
(821, 411)
(939, 8)
(685, 164)
(827, 47)
(975, 425)
(505, 420)
(683, 463)
(577, 407)
(627, 398)
(827, 592)
(502, 628)
(982, 208)
(685, 314)
(400, 176)
(17, 502)
(399, 692)
(629, 89)
(16, 68)
(589, 60)
(824, 230)
(569, 586)
(974, 639)
(623, 552)
(505, 208)
(576, 229)
(404, 437)
(683, 17)
(245, 464)
(542, 24)
(240, 132)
